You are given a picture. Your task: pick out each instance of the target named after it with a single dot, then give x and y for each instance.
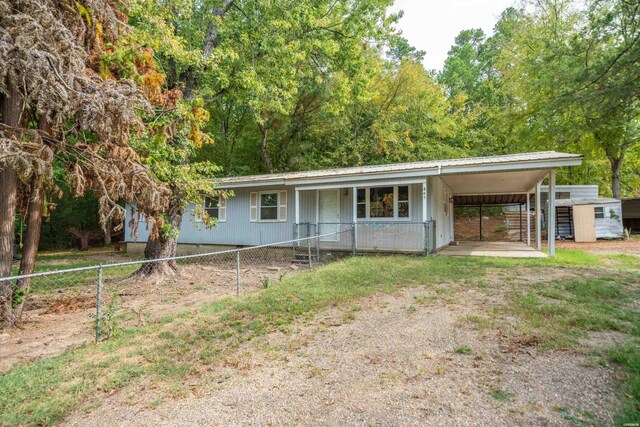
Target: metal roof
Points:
(400, 168)
(598, 201)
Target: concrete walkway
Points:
(495, 249)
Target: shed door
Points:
(584, 220)
(329, 213)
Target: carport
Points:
(505, 188)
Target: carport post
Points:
(480, 209)
(551, 226)
(528, 219)
(538, 219)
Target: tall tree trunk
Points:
(264, 148)
(163, 246)
(616, 168)
(107, 232)
(11, 112)
(31, 239)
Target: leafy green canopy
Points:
(557, 75)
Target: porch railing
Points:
(371, 236)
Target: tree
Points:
(572, 75)
(70, 107)
(183, 36)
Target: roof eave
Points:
(427, 171)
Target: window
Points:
(599, 211)
(211, 207)
(361, 200)
(268, 206)
(215, 208)
(563, 195)
(403, 202)
(383, 202)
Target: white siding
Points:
(441, 211)
(609, 227)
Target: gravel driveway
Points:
(389, 361)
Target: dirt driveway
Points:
(391, 360)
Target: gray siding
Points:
(576, 192)
(238, 230)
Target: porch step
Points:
(303, 258)
(513, 220)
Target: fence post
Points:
(295, 237)
(309, 251)
(354, 248)
(426, 238)
(434, 241)
(98, 302)
(238, 272)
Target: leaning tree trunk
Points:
(10, 112)
(31, 241)
(163, 246)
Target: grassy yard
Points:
(63, 260)
(600, 294)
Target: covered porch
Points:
(366, 215)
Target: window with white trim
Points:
(215, 207)
(268, 206)
(390, 202)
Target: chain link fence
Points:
(110, 287)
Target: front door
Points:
(329, 213)
(584, 220)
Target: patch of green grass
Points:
(578, 307)
(624, 260)
(628, 358)
(463, 349)
(500, 394)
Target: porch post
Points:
(551, 226)
(297, 206)
(424, 201)
(528, 219)
(538, 219)
(425, 228)
(354, 210)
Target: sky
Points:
(432, 25)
